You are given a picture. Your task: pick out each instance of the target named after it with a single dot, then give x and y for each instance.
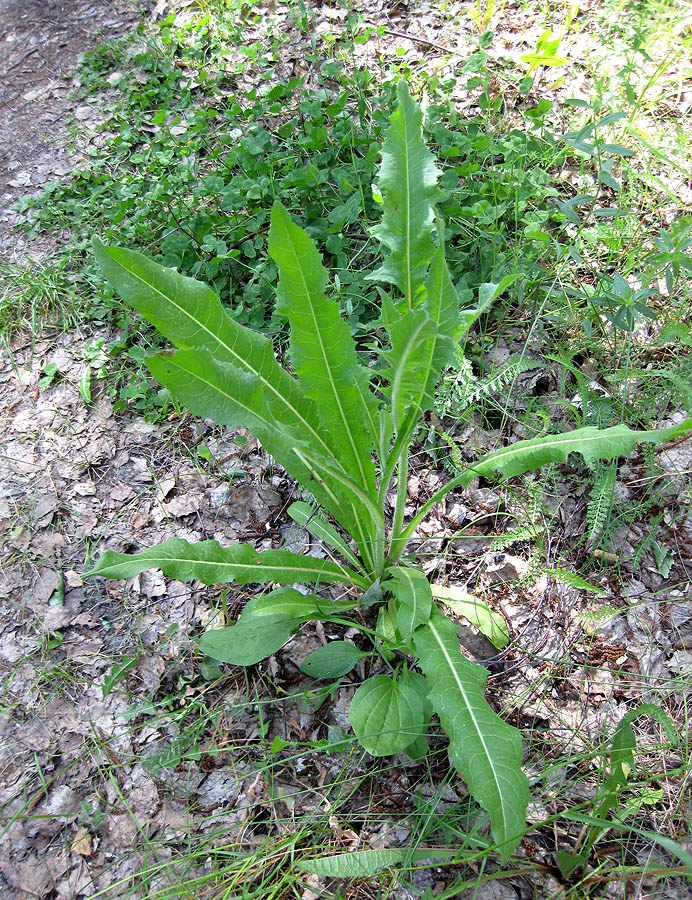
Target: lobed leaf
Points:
(423, 342)
(424, 326)
(409, 332)
(407, 182)
(486, 750)
(592, 443)
(210, 563)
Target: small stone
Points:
(458, 513)
(63, 802)
(73, 579)
(85, 489)
(21, 179)
(218, 495)
(56, 617)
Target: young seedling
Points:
(343, 430)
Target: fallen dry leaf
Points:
(82, 843)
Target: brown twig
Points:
(416, 40)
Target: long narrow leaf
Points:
(323, 352)
(485, 749)
(231, 397)
(442, 306)
(354, 491)
(525, 456)
(424, 326)
(210, 563)
(592, 443)
(410, 331)
(407, 182)
(365, 863)
(190, 315)
(324, 357)
(673, 847)
(305, 515)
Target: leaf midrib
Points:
(479, 732)
(325, 359)
(243, 364)
(407, 182)
(344, 573)
(504, 454)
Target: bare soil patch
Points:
(41, 42)
(105, 774)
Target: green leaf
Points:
(289, 602)
(568, 863)
(667, 843)
(476, 611)
(419, 749)
(333, 660)
(228, 371)
(386, 715)
(365, 863)
(442, 305)
(592, 443)
(418, 683)
(487, 295)
(306, 515)
(117, 673)
(322, 350)
(409, 332)
(319, 469)
(413, 599)
(571, 578)
(423, 342)
(249, 641)
(232, 397)
(210, 563)
(485, 750)
(424, 326)
(407, 183)
(386, 631)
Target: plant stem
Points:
(401, 495)
(405, 536)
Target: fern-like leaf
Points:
(514, 535)
(600, 501)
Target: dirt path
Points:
(40, 42)
(102, 779)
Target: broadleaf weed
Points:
(327, 423)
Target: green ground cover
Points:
(563, 169)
